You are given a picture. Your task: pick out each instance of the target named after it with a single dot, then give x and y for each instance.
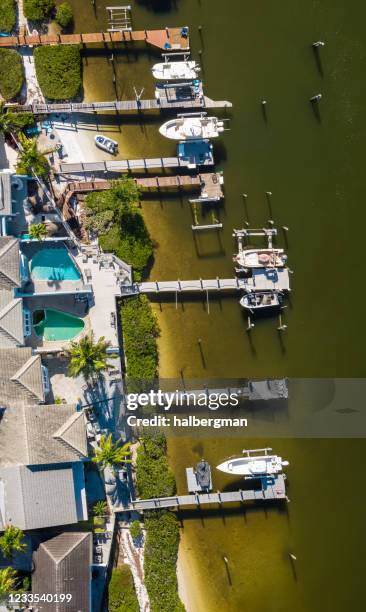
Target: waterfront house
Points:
(42, 450)
(23, 377)
(63, 565)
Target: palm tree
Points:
(111, 453)
(100, 508)
(88, 357)
(31, 160)
(11, 121)
(8, 580)
(12, 540)
(38, 231)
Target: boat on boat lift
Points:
(260, 258)
(107, 144)
(173, 71)
(203, 475)
(192, 127)
(261, 300)
(256, 463)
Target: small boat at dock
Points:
(192, 127)
(260, 258)
(254, 464)
(261, 300)
(107, 144)
(173, 71)
(203, 475)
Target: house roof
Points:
(64, 560)
(20, 376)
(11, 324)
(34, 497)
(9, 262)
(42, 434)
(5, 193)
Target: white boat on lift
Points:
(173, 71)
(107, 144)
(261, 300)
(260, 258)
(192, 127)
(256, 463)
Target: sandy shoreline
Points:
(188, 580)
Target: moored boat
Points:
(107, 144)
(172, 71)
(203, 474)
(260, 258)
(191, 127)
(261, 300)
(254, 464)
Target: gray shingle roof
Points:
(11, 324)
(20, 376)
(63, 564)
(5, 193)
(40, 496)
(42, 434)
(9, 262)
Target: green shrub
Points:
(64, 14)
(121, 590)
(123, 233)
(8, 15)
(140, 332)
(154, 478)
(58, 71)
(11, 73)
(36, 10)
(160, 564)
(135, 530)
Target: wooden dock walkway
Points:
(169, 39)
(118, 106)
(129, 165)
(261, 280)
(209, 182)
(273, 489)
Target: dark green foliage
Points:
(64, 14)
(36, 10)
(154, 477)
(140, 332)
(161, 552)
(8, 15)
(11, 73)
(58, 71)
(14, 122)
(122, 596)
(124, 233)
(135, 530)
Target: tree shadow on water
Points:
(159, 6)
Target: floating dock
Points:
(169, 39)
(272, 489)
(128, 165)
(261, 280)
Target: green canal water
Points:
(314, 168)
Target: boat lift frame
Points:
(119, 18)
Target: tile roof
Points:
(11, 324)
(5, 193)
(64, 560)
(20, 376)
(9, 262)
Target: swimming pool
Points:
(53, 264)
(56, 325)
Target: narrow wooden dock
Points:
(261, 280)
(210, 181)
(272, 489)
(169, 39)
(129, 165)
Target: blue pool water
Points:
(53, 264)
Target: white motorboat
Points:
(107, 144)
(192, 127)
(261, 258)
(261, 300)
(173, 71)
(254, 464)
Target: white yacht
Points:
(173, 71)
(254, 464)
(261, 300)
(261, 258)
(107, 144)
(191, 127)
